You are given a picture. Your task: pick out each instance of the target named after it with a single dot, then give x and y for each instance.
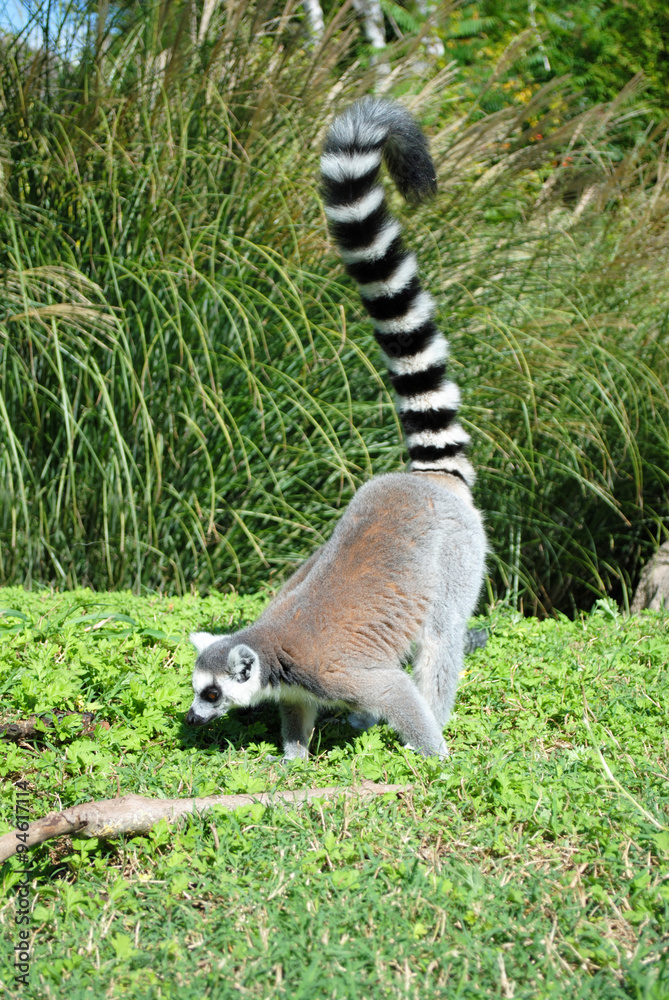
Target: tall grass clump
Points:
(189, 394)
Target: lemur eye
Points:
(211, 694)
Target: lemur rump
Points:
(403, 569)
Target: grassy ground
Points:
(517, 869)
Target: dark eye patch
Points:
(211, 694)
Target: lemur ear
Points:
(201, 640)
(241, 661)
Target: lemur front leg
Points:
(362, 720)
(297, 725)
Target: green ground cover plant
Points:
(533, 863)
(188, 395)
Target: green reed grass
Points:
(189, 391)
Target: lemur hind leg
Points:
(297, 724)
(390, 694)
(437, 666)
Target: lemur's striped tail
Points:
(370, 242)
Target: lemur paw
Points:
(291, 752)
(442, 753)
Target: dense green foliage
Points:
(520, 860)
(188, 396)
(602, 44)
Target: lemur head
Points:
(226, 673)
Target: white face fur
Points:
(216, 692)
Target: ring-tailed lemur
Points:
(404, 566)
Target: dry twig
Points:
(134, 814)
(34, 727)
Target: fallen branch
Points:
(132, 814)
(35, 726)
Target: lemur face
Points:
(226, 674)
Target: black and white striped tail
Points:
(370, 242)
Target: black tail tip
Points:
(375, 122)
(414, 176)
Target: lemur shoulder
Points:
(403, 569)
